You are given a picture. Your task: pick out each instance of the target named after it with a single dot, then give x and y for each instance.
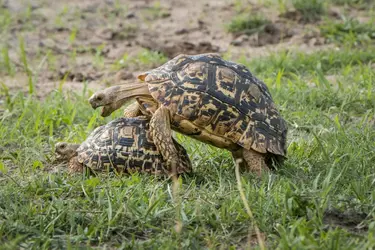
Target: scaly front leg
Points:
(133, 110)
(74, 166)
(160, 129)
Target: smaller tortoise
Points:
(123, 145)
(210, 99)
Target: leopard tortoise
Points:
(124, 145)
(213, 100)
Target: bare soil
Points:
(79, 41)
(349, 220)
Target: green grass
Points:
(247, 24)
(143, 59)
(5, 62)
(310, 10)
(296, 64)
(154, 11)
(326, 96)
(330, 165)
(349, 31)
(359, 3)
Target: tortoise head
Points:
(65, 151)
(114, 97)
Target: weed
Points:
(242, 6)
(5, 20)
(155, 11)
(26, 65)
(143, 59)
(352, 2)
(310, 10)
(349, 31)
(99, 59)
(73, 34)
(5, 60)
(299, 63)
(247, 24)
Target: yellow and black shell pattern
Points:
(220, 98)
(125, 145)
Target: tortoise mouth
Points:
(109, 109)
(60, 157)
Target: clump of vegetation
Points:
(349, 31)
(329, 165)
(351, 2)
(143, 59)
(343, 2)
(5, 63)
(311, 10)
(247, 24)
(155, 11)
(5, 20)
(299, 63)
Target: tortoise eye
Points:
(62, 146)
(99, 98)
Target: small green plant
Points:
(6, 62)
(349, 30)
(242, 6)
(73, 35)
(351, 2)
(155, 11)
(144, 58)
(59, 20)
(126, 32)
(99, 59)
(247, 24)
(5, 20)
(26, 67)
(342, 2)
(311, 10)
(300, 63)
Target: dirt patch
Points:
(272, 33)
(18, 83)
(80, 41)
(173, 49)
(348, 220)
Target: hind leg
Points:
(74, 166)
(251, 160)
(255, 161)
(160, 130)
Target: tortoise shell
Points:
(219, 102)
(125, 144)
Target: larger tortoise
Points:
(123, 145)
(208, 98)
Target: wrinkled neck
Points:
(126, 92)
(75, 147)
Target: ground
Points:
(316, 57)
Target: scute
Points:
(222, 98)
(125, 145)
